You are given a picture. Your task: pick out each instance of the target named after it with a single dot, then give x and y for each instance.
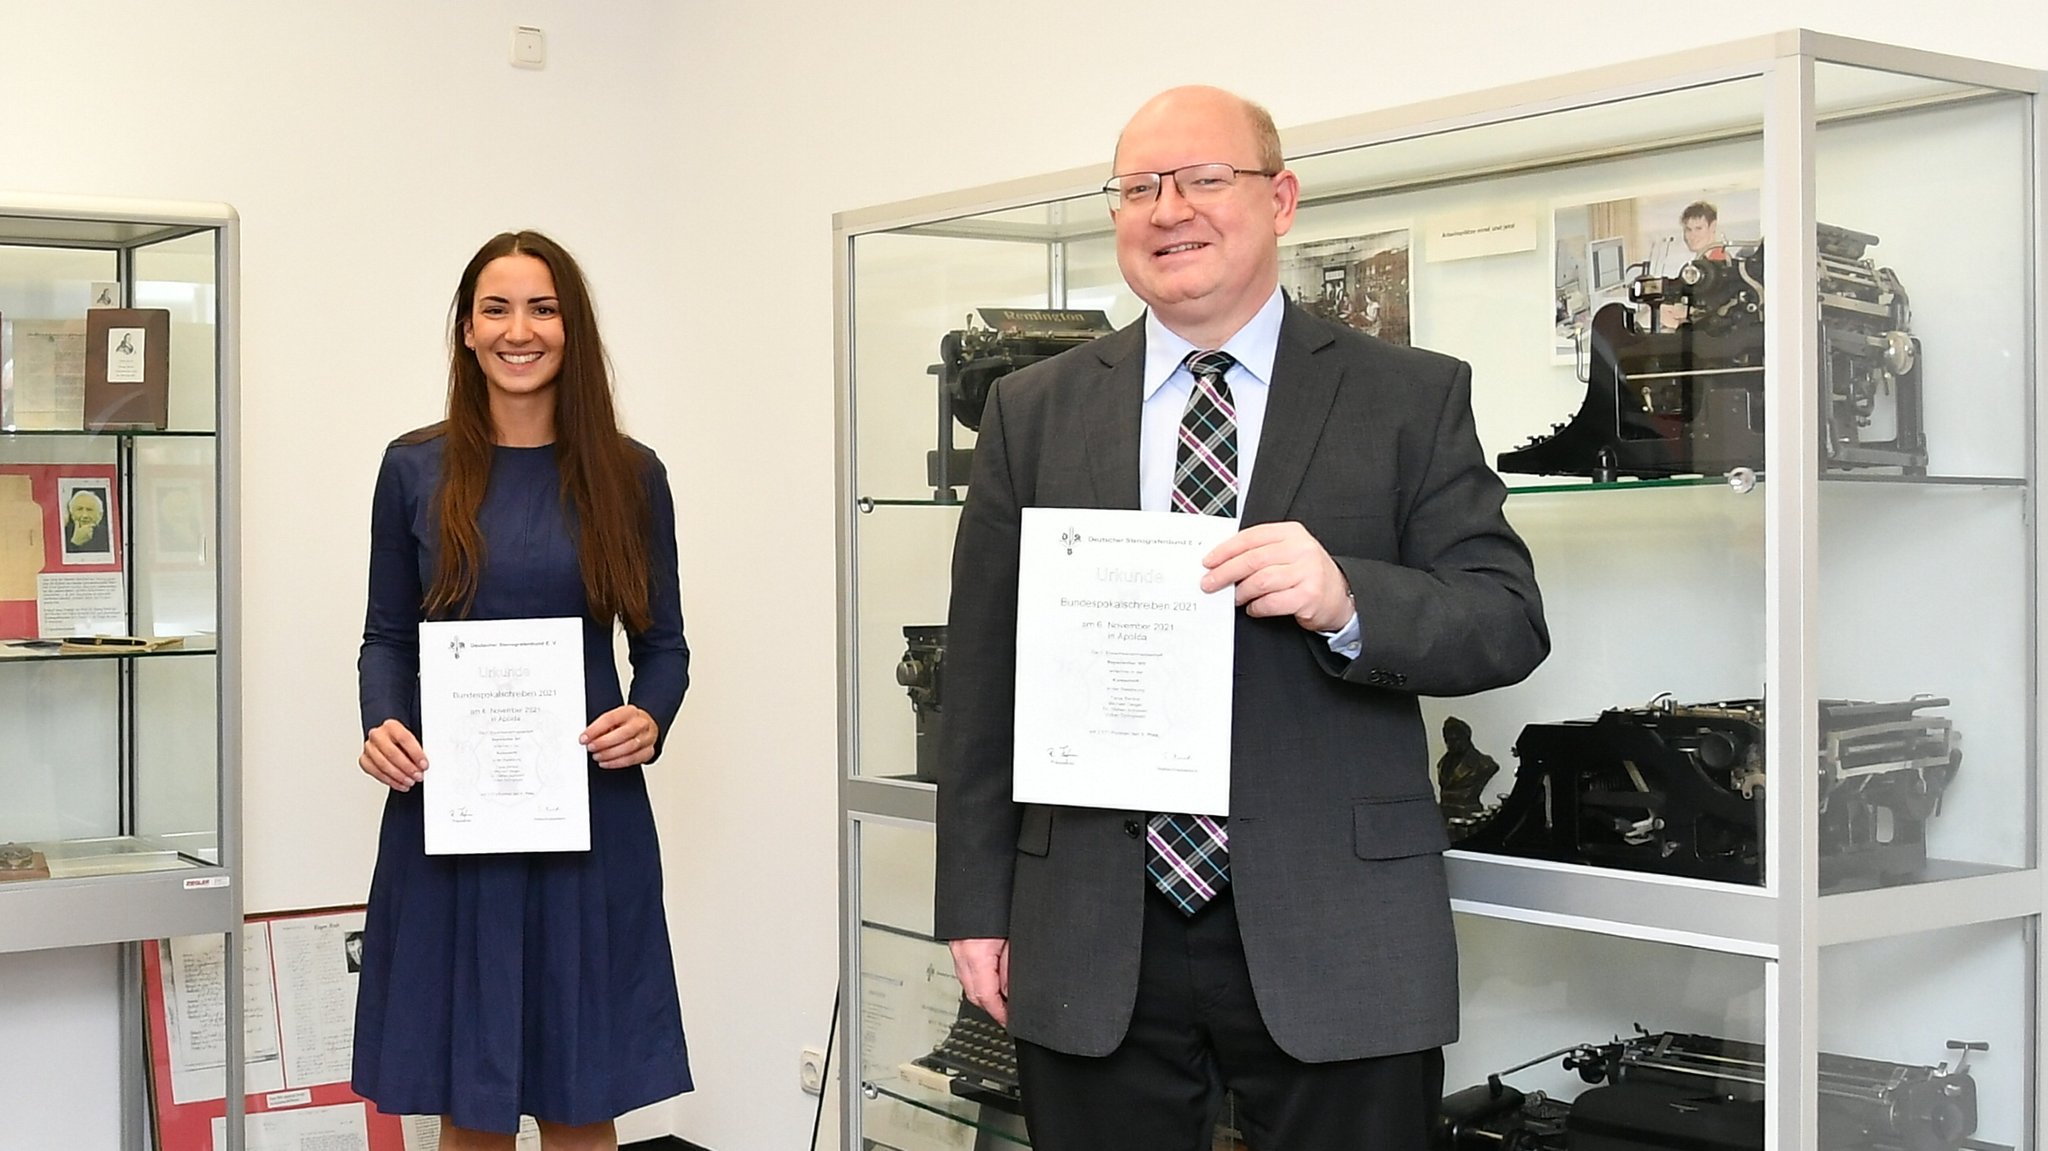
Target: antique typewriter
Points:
(1679, 789)
(1669, 1090)
(976, 1061)
(972, 358)
(922, 675)
(1685, 398)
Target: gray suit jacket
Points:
(1335, 839)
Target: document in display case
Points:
(298, 1023)
(42, 374)
(60, 557)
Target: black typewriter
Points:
(972, 358)
(1679, 789)
(975, 1061)
(922, 675)
(1667, 1090)
(1687, 398)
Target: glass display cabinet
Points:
(119, 808)
(1754, 341)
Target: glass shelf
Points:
(1925, 481)
(1007, 1131)
(91, 433)
(870, 503)
(82, 230)
(1573, 484)
(1568, 484)
(1935, 870)
(17, 650)
(1564, 484)
(113, 855)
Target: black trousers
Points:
(1196, 1032)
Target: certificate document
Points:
(1124, 665)
(501, 705)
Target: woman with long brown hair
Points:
(542, 984)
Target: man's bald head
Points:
(1265, 137)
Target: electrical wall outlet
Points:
(810, 1070)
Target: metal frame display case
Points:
(1800, 487)
(120, 777)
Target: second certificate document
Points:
(1124, 664)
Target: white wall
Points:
(692, 155)
(370, 147)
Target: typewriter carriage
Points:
(974, 356)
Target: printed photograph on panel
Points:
(1359, 281)
(88, 520)
(1604, 246)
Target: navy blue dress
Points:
(540, 984)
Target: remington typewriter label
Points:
(1047, 321)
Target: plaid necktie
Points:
(1188, 856)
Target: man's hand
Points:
(983, 966)
(1280, 569)
(392, 757)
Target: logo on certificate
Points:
(1070, 537)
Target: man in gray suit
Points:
(1299, 953)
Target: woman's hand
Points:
(621, 737)
(392, 757)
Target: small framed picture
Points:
(1359, 281)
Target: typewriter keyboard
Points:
(977, 1050)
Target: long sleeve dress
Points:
(540, 984)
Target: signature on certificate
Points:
(1063, 754)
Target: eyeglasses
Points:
(1196, 183)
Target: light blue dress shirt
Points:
(1168, 386)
